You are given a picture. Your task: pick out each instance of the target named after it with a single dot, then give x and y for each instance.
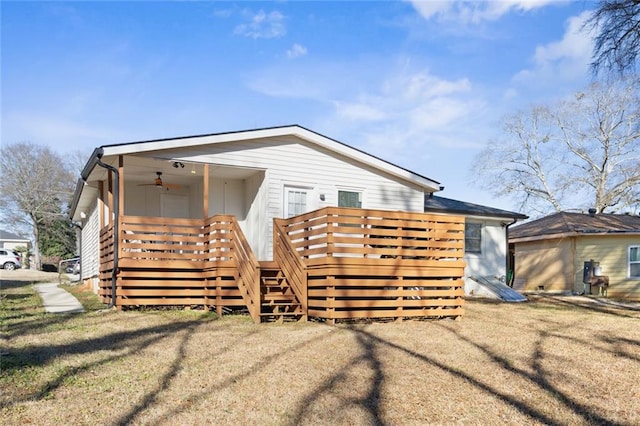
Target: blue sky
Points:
(422, 84)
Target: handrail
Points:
(248, 270)
(292, 264)
(353, 233)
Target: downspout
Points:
(509, 281)
(116, 220)
(79, 226)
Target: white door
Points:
(296, 200)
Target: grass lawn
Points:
(548, 361)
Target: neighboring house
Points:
(550, 253)
(205, 218)
(12, 241)
(486, 246)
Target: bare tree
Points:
(583, 152)
(36, 185)
(616, 24)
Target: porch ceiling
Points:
(141, 169)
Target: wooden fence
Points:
(375, 264)
(183, 262)
(340, 264)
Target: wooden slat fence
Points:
(378, 264)
(181, 262)
(340, 263)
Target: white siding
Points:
(256, 225)
(90, 249)
(491, 262)
(295, 163)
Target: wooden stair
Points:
(278, 302)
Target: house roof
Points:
(565, 224)
(268, 132)
(8, 236)
(295, 131)
(447, 205)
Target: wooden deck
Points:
(332, 264)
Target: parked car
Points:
(9, 260)
(73, 267)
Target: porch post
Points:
(205, 191)
(120, 214)
(101, 204)
(120, 198)
(110, 197)
(121, 183)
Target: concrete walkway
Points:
(57, 300)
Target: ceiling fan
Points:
(157, 182)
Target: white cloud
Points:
(359, 111)
(412, 111)
(262, 25)
(296, 51)
(564, 60)
(475, 11)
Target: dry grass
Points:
(549, 361)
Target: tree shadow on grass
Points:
(603, 306)
(250, 370)
(539, 378)
(175, 367)
(371, 401)
(126, 343)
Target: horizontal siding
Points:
(612, 253)
(545, 264)
(89, 251)
(491, 261)
(292, 162)
(289, 162)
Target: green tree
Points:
(36, 185)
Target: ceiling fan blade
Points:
(172, 185)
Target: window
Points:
(295, 202)
(634, 261)
(473, 238)
(350, 199)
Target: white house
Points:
(255, 175)
(488, 266)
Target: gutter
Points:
(95, 160)
(79, 226)
(84, 175)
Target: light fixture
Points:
(193, 169)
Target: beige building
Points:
(550, 253)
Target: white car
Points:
(9, 260)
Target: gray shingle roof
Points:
(4, 235)
(437, 204)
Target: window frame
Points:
(634, 262)
(360, 193)
(479, 239)
(296, 188)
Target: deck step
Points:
(279, 302)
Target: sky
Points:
(421, 84)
